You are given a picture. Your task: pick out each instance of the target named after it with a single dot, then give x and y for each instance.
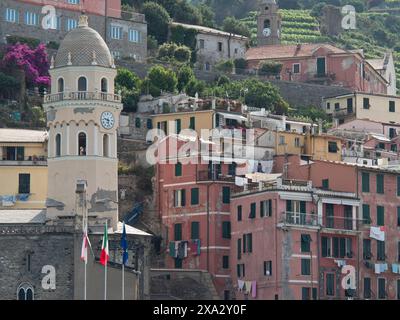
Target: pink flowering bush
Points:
(34, 62)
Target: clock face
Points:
(107, 120)
(267, 32)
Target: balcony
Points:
(299, 219)
(204, 176)
(340, 223)
(82, 95)
(26, 161)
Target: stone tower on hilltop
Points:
(269, 23)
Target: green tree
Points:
(270, 68)
(130, 85)
(185, 75)
(240, 65)
(208, 15)
(195, 86)
(225, 66)
(232, 25)
(162, 78)
(157, 21)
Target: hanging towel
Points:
(185, 249)
(340, 263)
(377, 233)
(240, 285)
(198, 246)
(384, 267)
(377, 268)
(172, 249)
(395, 268)
(8, 201)
(248, 287)
(23, 197)
(181, 250)
(254, 289)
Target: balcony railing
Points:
(26, 161)
(213, 176)
(82, 95)
(300, 219)
(342, 223)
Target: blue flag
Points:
(124, 246)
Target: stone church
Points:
(40, 250)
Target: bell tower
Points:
(269, 23)
(83, 117)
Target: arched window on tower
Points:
(267, 23)
(60, 85)
(104, 85)
(25, 292)
(106, 145)
(82, 144)
(82, 84)
(58, 145)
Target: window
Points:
(71, 24)
(267, 268)
(179, 198)
(281, 140)
(305, 293)
(332, 147)
(365, 182)
(366, 104)
(337, 106)
(381, 288)
(137, 123)
(25, 292)
(225, 262)
(253, 207)
(297, 142)
(239, 213)
(31, 18)
(134, 35)
(194, 196)
(350, 105)
(106, 146)
(398, 216)
(58, 145)
(328, 105)
(380, 183)
(201, 43)
(367, 249)
(288, 127)
(73, 1)
(178, 169)
(366, 214)
(226, 229)
(15, 153)
(367, 288)
(296, 68)
(330, 284)
(192, 124)
(326, 247)
(392, 106)
(226, 195)
(305, 267)
(248, 243)
(232, 169)
(82, 144)
(60, 85)
(116, 32)
(305, 243)
(330, 220)
(239, 249)
(149, 124)
(24, 186)
(195, 230)
(241, 270)
(82, 84)
(380, 216)
(104, 85)
(178, 126)
(266, 208)
(11, 15)
(392, 133)
(335, 249)
(53, 22)
(219, 46)
(178, 231)
(325, 184)
(380, 250)
(116, 54)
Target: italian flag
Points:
(104, 248)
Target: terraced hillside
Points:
(376, 32)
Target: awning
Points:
(236, 117)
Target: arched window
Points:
(58, 145)
(82, 144)
(106, 145)
(82, 84)
(25, 292)
(60, 85)
(267, 23)
(104, 85)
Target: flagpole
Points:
(86, 235)
(105, 270)
(123, 281)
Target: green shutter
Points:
(365, 182)
(244, 243)
(192, 124)
(225, 262)
(269, 208)
(226, 194)
(183, 197)
(325, 184)
(178, 126)
(380, 250)
(226, 229)
(366, 214)
(239, 213)
(330, 281)
(288, 205)
(398, 186)
(367, 288)
(324, 246)
(20, 153)
(178, 231)
(305, 240)
(253, 207)
(149, 124)
(194, 196)
(366, 249)
(195, 230)
(342, 247)
(380, 216)
(178, 169)
(250, 242)
(262, 205)
(380, 183)
(24, 183)
(398, 216)
(137, 122)
(305, 267)
(239, 249)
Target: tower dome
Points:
(83, 46)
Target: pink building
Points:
(321, 63)
(289, 241)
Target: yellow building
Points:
(172, 123)
(360, 105)
(23, 169)
(321, 147)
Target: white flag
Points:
(85, 244)
(377, 233)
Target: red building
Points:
(322, 64)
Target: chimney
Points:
(213, 103)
